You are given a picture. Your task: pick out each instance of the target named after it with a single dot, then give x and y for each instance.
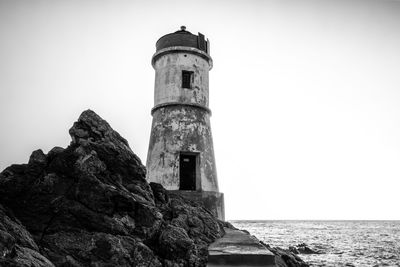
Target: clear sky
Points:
(305, 94)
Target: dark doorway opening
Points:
(187, 171)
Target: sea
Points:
(339, 243)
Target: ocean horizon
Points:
(336, 242)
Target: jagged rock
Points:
(175, 243)
(302, 248)
(187, 221)
(286, 258)
(294, 250)
(17, 247)
(93, 133)
(89, 204)
(161, 195)
(98, 249)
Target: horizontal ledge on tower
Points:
(206, 109)
(182, 49)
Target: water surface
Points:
(341, 243)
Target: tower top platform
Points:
(183, 38)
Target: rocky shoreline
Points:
(90, 205)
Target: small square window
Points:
(187, 77)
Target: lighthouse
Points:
(181, 152)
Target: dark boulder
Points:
(175, 243)
(294, 250)
(303, 248)
(191, 228)
(89, 204)
(17, 247)
(286, 258)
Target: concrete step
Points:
(237, 248)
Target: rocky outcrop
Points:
(302, 248)
(285, 258)
(90, 205)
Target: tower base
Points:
(213, 201)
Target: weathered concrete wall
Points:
(168, 82)
(176, 129)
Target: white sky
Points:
(305, 94)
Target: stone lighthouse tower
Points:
(181, 153)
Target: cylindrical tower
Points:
(181, 153)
